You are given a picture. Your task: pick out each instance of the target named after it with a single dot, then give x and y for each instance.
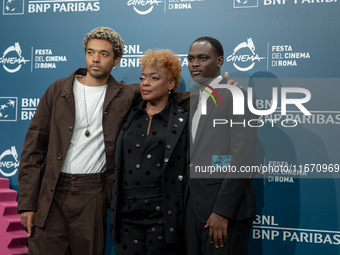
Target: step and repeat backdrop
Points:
(270, 46)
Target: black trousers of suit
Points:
(197, 237)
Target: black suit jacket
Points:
(230, 195)
(174, 169)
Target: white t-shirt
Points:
(86, 155)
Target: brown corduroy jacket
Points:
(49, 136)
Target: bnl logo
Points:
(238, 100)
(8, 108)
(245, 3)
(13, 7)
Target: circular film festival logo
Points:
(143, 3)
(244, 56)
(12, 59)
(9, 162)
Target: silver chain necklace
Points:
(87, 132)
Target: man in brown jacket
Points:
(67, 163)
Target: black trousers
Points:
(197, 237)
(76, 222)
(141, 219)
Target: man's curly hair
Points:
(106, 33)
(166, 59)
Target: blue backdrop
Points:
(291, 43)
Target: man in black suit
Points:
(220, 206)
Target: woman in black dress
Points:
(151, 161)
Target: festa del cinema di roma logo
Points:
(238, 102)
(11, 166)
(12, 59)
(143, 3)
(243, 54)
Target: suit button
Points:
(70, 128)
(172, 230)
(59, 157)
(158, 165)
(137, 145)
(160, 238)
(168, 147)
(135, 241)
(153, 230)
(180, 177)
(74, 179)
(175, 126)
(148, 156)
(52, 189)
(166, 160)
(191, 165)
(146, 202)
(170, 213)
(158, 208)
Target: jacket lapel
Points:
(193, 108)
(203, 120)
(67, 92)
(126, 124)
(177, 122)
(113, 88)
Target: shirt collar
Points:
(213, 84)
(162, 114)
(216, 81)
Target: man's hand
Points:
(27, 219)
(231, 82)
(218, 227)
